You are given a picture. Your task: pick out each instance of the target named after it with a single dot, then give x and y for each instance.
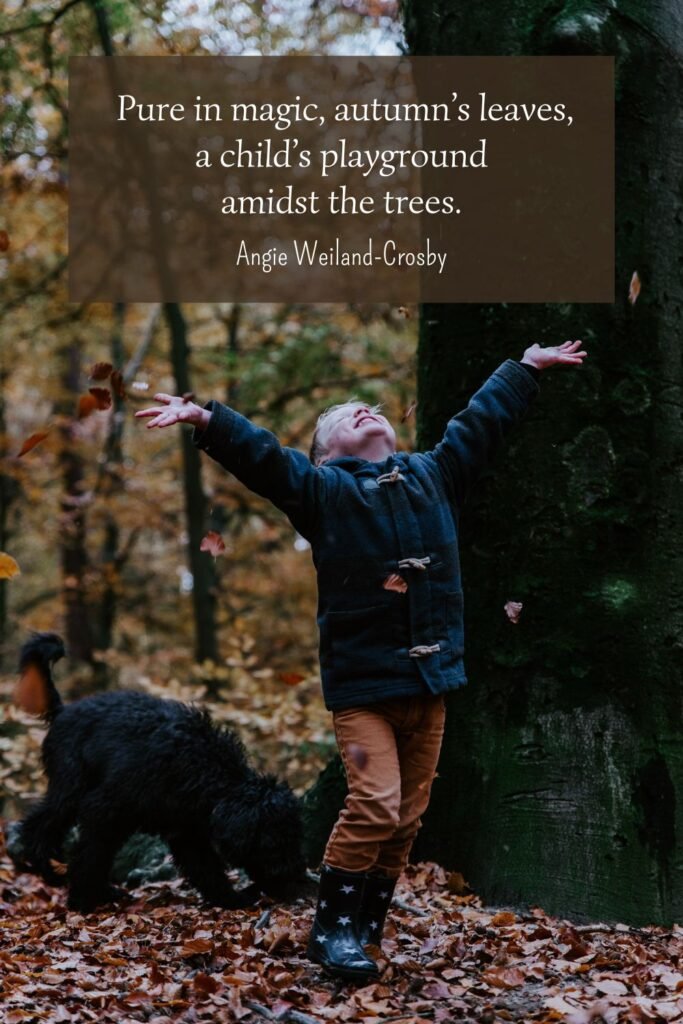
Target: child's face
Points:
(360, 432)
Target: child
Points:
(382, 526)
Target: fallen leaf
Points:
(213, 543)
(512, 610)
(634, 288)
(196, 946)
(291, 678)
(457, 884)
(100, 371)
(31, 442)
(8, 567)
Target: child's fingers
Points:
(149, 412)
(161, 397)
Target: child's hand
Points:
(175, 410)
(542, 358)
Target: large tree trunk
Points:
(563, 758)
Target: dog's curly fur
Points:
(118, 763)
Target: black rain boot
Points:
(372, 913)
(333, 942)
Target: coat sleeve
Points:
(474, 435)
(255, 456)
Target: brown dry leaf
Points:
(503, 919)
(194, 946)
(102, 397)
(513, 610)
(206, 983)
(4, 241)
(31, 442)
(358, 755)
(31, 693)
(634, 288)
(213, 543)
(117, 384)
(188, 396)
(100, 371)
(396, 583)
(58, 867)
(404, 312)
(457, 884)
(8, 567)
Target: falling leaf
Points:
(396, 583)
(101, 371)
(86, 405)
(188, 396)
(31, 442)
(102, 397)
(513, 610)
(8, 567)
(213, 543)
(291, 678)
(58, 867)
(140, 385)
(358, 755)
(634, 288)
(409, 412)
(117, 384)
(404, 312)
(31, 692)
(4, 241)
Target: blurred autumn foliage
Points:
(103, 519)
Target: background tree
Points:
(562, 765)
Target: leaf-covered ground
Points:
(162, 956)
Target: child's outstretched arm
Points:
(475, 434)
(254, 455)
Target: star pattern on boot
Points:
(384, 895)
(374, 925)
(323, 904)
(348, 888)
(344, 920)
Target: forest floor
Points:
(160, 955)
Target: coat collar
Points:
(353, 464)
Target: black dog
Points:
(118, 763)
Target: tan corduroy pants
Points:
(390, 751)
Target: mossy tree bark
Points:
(563, 760)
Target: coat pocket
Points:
(359, 643)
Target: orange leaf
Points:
(30, 693)
(101, 371)
(117, 384)
(395, 582)
(188, 396)
(409, 412)
(213, 543)
(32, 441)
(634, 288)
(404, 311)
(504, 918)
(8, 567)
(205, 983)
(102, 397)
(291, 678)
(86, 405)
(4, 241)
(58, 867)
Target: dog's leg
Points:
(197, 861)
(41, 836)
(90, 865)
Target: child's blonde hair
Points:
(319, 444)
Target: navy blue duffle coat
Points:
(366, 521)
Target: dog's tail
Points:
(36, 692)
